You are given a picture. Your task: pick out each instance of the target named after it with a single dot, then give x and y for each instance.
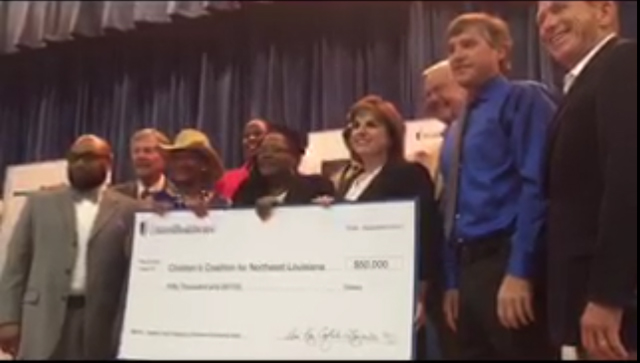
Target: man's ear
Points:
(607, 14)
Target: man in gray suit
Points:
(61, 290)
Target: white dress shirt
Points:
(360, 185)
(571, 77)
(155, 188)
(86, 212)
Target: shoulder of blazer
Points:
(127, 188)
(624, 53)
(598, 64)
(406, 176)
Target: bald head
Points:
(89, 162)
(92, 143)
(444, 98)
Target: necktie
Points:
(453, 182)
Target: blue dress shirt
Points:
(501, 176)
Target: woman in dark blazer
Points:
(375, 136)
(275, 179)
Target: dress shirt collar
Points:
(489, 88)
(94, 195)
(155, 188)
(570, 78)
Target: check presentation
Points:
(310, 283)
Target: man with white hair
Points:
(445, 101)
(148, 163)
(591, 183)
(444, 98)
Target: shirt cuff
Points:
(520, 264)
(451, 282)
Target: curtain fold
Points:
(300, 64)
(34, 24)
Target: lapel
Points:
(554, 128)
(68, 212)
(376, 188)
(133, 189)
(106, 210)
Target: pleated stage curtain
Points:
(299, 63)
(35, 24)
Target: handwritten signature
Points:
(326, 338)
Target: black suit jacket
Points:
(592, 190)
(403, 181)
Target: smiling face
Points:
(252, 135)
(276, 156)
(187, 166)
(147, 158)
(570, 29)
(444, 98)
(474, 60)
(368, 135)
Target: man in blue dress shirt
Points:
(493, 200)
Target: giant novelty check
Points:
(309, 283)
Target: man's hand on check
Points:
(160, 208)
(200, 208)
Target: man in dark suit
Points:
(148, 163)
(592, 180)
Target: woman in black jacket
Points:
(275, 179)
(375, 135)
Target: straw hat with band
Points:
(194, 140)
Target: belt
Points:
(76, 302)
(472, 250)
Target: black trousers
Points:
(481, 336)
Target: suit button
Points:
(68, 271)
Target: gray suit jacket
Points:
(130, 189)
(36, 281)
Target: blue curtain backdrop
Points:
(298, 63)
